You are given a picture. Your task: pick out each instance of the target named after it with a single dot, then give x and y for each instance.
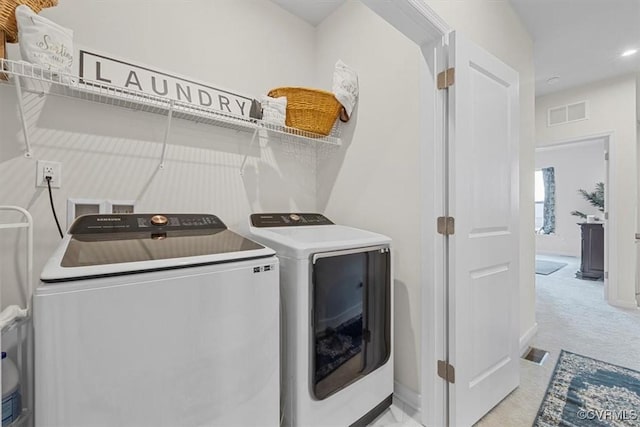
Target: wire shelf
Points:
(35, 79)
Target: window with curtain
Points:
(539, 201)
(545, 201)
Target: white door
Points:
(483, 251)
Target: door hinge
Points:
(606, 215)
(446, 225)
(606, 274)
(606, 155)
(446, 371)
(446, 78)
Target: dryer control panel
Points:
(135, 223)
(288, 219)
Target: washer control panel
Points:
(135, 223)
(288, 219)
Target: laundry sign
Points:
(96, 69)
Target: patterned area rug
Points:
(338, 345)
(589, 392)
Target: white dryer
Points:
(337, 358)
(157, 320)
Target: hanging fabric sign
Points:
(98, 69)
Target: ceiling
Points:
(581, 41)
(312, 11)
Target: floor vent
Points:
(536, 355)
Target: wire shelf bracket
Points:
(172, 105)
(244, 160)
(23, 118)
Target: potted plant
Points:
(595, 198)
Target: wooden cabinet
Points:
(592, 258)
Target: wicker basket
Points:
(310, 110)
(8, 22)
(3, 53)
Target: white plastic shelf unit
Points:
(35, 79)
(21, 322)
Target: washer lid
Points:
(102, 245)
(304, 240)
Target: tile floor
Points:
(398, 415)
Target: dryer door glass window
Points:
(351, 334)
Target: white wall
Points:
(638, 97)
(578, 165)
(612, 109)
(375, 183)
(248, 46)
(360, 185)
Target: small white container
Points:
(11, 399)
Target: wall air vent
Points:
(567, 113)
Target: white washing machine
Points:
(337, 361)
(157, 320)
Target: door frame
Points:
(421, 24)
(610, 249)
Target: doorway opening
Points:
(571, 215)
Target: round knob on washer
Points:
(159, 220)
(294, 217)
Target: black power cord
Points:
(53, 209)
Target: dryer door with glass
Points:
(350, 317)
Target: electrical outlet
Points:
(44, 169)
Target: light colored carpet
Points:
(572, 315)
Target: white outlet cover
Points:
(77, 207)
(56, 182)
(121, 206)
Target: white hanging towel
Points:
(345, 88)
(274, 110)
(11, 313)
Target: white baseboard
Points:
(525, 339)
(407, 396)
(624, 304)
(556, 253)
